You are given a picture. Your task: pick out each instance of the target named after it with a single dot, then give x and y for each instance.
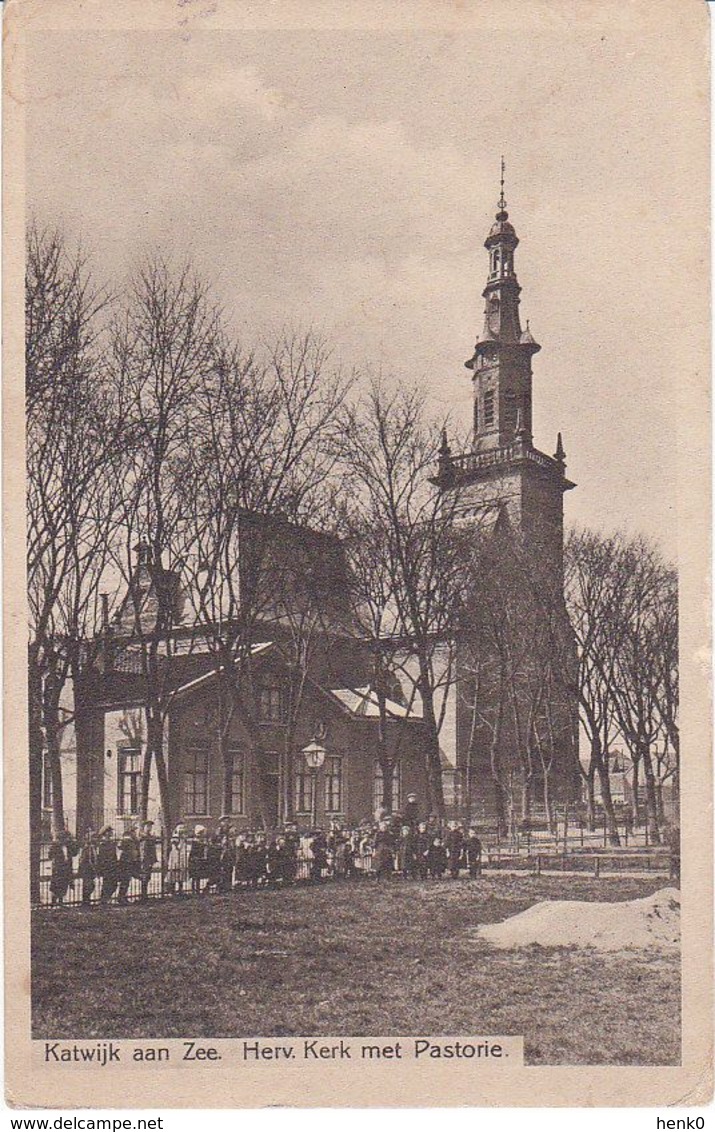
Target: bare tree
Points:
(71, 497)
(623, 608)
(638, 652)
(164, 344)
(595, 594)
(375, 620)
(389, 451)
(513, 637)
(259, 473)
(665, 678)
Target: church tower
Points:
(515, 707)
(504, 477)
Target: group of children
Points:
(199, 862)
(103, 858)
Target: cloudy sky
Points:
(346, 179)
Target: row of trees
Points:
(623, 606)
(153, 438)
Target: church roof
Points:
(363, 702)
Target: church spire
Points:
(502, 202)
(501, 314)
(501, 363)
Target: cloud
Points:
(230, 90)
(348, 181)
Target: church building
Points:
(516, 711)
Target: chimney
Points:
(143, 553)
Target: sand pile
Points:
(652, 922)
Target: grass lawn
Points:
(353, 959)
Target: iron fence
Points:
(126, 885)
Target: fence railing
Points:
(127, 885)
(658, 861)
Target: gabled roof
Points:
(207, 677)
(363, 703)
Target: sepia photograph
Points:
(360, 355)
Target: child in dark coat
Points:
(436, 858)
(473, 853)
(107, 864)
(127, 864)
(198, 865)
(383, 861)
(454, 844)
(62, 850)
(424, 841)
(407, 853)
(87, 868)
(147, 857)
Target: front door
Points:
(269, 784)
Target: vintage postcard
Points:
(356, 527)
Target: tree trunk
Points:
(659, 802)
(591, 799)
(145, 783)
(635, 759)
(500, 800)
(435, 795)
(35, 773)
(154, 752)
(471, 752)
(651, 804)
(388, 768)
(526, 798)
(548, 805)
(676, 771)
(54, 764)
(227, 764)
(288, 784)
(604, 782)
(164, 795)
(83, 695)
(386, 763)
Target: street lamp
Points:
(314, 755)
